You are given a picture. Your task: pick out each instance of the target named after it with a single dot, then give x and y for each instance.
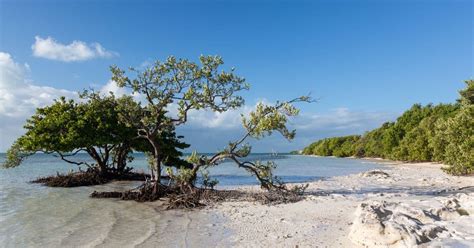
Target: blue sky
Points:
(367, 61)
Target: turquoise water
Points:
(32, 215)
(291, 168)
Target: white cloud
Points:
(342, 119)
(225, 120)
(19, 98)
(76, 51)
(215, 120)
(111, 86)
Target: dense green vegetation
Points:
(96, 125)
(442, 133)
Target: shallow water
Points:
(32, 215)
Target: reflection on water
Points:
(32, 215)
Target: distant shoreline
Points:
(386, 161)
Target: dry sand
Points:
(402, 205)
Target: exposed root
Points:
(177, 197)
(192, 197)
(72, 180)
(77, 179)
(111, 194)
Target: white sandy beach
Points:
(411, 205)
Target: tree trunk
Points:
(157, 164)
(120, 165)
(121, 158)
(104, 160)
(103, 167)
(101, 163)
(156, 159)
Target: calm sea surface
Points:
(32, 215)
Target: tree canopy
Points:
(184, 85)
(442, 133)
(96, 125)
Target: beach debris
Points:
(376, 174)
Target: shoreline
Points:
(379, 160)
(345, 211)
